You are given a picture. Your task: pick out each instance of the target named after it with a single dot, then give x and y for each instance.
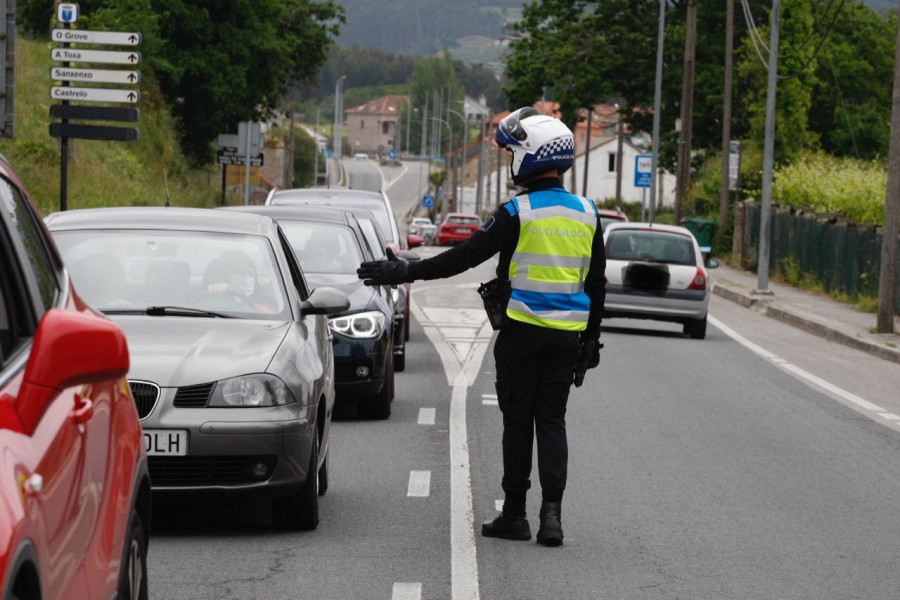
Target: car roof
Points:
(302, 212)
(158, 217)
(612, 214)
(333, 194)
(463, 215)
(657, 227)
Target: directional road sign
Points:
(95, 75)
(643, 168)
(95, 113)
(110, 57)
(93, 132)
(428, 201)
(118, 38)
(58, 92)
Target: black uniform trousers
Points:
(534, 374)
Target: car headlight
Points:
(364, 325)
(258, 389)
(395, 295)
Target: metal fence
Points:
(843, 258)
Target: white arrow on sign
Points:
(95, 56)
(119, 38)
(81, 94)
(95, 75)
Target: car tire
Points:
(696, 328)
(400, 354)
(133, 580)
(323, 476)
(300, 511)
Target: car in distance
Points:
(457, 227)
(656, 272)
(232, 366)
(360, 156)
(380, 206)
(330, 245)
(422, 226)
(74, 486)
(608, 216)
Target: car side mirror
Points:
(324, 301)
(711, 263)
(413, 240)
(70, 348)
(409, 256)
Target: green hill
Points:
(100, 173)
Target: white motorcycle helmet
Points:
(539, 143)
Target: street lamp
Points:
(449, 154)
(338, 118)
(462, 168)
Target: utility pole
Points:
(687, 110)
(587, 152)
(762, 268)
(888, 271)
(726, 114)
(657, 99)
(620, 155)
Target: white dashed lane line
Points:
(426, 416)
(419, 484)
(489, 399)
(407, 591)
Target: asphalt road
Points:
(716, 469)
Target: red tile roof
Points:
(386, 105)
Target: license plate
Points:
(166, 442)
(462, 230)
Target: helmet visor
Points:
(510, 129)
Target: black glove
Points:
(384, 272)
(588, 357)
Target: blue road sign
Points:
(643, 167)
(392, 154)
(428, 201)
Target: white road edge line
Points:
(463, 563)
(794, 369)
(407, 591)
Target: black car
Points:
(330, 244)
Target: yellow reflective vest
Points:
(551, 260)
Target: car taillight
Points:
(699, 280)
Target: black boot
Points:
(550, 532)
(507, 528)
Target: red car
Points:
(608, 216)
(457, 227)
(74, 485)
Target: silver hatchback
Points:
(656, 272)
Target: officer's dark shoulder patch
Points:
(487, 224)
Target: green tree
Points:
(231, 62)
(433, 77)
(305, 158)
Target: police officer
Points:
(551, 252)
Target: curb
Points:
(810, 324)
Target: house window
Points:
(362, 124)
(612, 162)
(385, 127)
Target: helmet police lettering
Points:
(539, 143)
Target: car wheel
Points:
(133, 580)
(696, 328)
(323, 476)
(300, 511)
(400, 355)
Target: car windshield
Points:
(133, 270)
(646, 245)
(604, 221)
(323, 247)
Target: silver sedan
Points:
(231, 360)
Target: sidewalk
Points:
(817, 314)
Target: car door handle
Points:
(84, 409)
(33, 484)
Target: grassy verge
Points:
(100, 173)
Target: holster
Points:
(495, 295)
